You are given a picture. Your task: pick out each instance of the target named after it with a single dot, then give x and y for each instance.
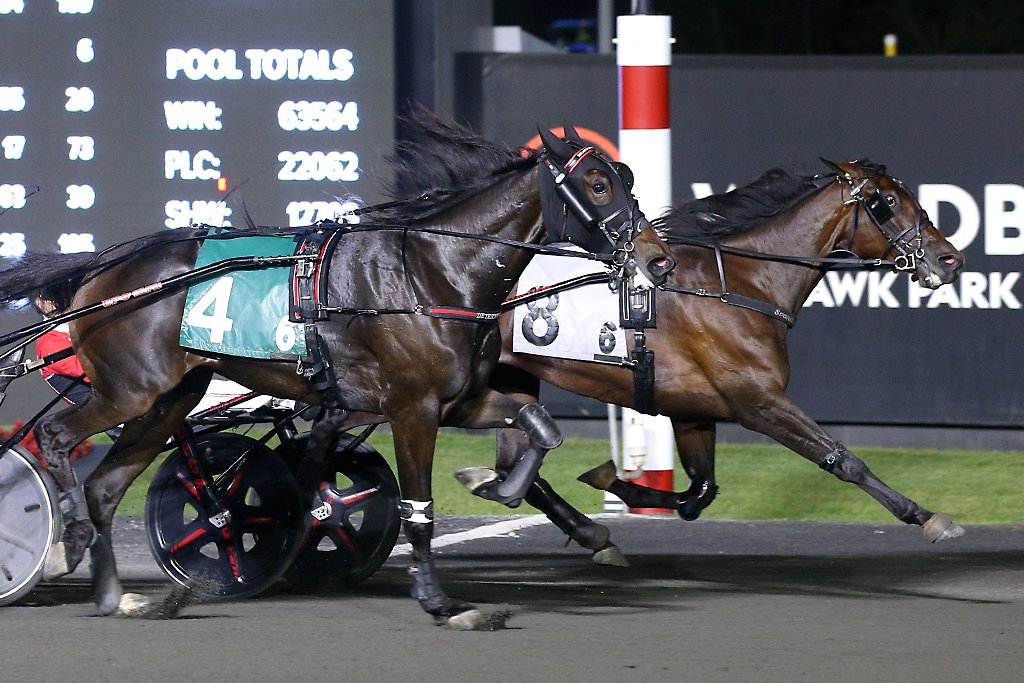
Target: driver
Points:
(66, 374)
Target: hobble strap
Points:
(643, 380)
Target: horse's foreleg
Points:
(782, 420)
(495, 410)
(414, 427)
(696, 446)
(541, 495)
(513, 388)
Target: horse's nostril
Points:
(952, 260)
(661, 264)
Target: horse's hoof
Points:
(131, 605)
(475, 620)
(610, 556)
(941, 527)
(601, 477)
(65, 555)
(167, 607)
(484, 482)
(475, 477)
(464, 621)
(114, 602)
(56, 564)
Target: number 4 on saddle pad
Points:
(245, 312)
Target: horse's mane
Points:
(444, 161)
(741, 209)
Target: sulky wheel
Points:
(29, 522)
(355, 521)
(235, 538)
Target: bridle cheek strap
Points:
(880, 213)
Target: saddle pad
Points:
(243, 312)
(579, 324)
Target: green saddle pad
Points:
(243, 312)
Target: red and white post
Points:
(644, 57)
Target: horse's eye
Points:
(891, 199)
(599, 187)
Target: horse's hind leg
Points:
(696, 446)
(57, 435)
(143, 439)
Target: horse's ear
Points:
(833, 165)
(571, 134)
(555, 145)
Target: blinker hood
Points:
(567, 215)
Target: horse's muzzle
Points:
(659, 267)
(933, 272)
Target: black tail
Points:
(54, 276)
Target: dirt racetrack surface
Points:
(702, 601)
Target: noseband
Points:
(877, 207)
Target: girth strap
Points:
(309, 278)
(316, 367)
(308, 290)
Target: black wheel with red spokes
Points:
(355, 520)
(229, 528)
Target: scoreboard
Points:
(121, 117)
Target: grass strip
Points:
(756, 481)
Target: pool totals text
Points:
(119, 118)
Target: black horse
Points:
(407, 334)
(718, 361)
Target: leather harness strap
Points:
(308, 286)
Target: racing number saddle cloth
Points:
(578, 324)
(243, 312)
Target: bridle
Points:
(621, 227)
(877, 207)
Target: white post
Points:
(613, 503)
(644, 57)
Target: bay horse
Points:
(408, 330)
(716, 361)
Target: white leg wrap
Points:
(418, 511)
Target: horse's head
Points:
(587, 200)
(897, 227)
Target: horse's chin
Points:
(930, 278)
